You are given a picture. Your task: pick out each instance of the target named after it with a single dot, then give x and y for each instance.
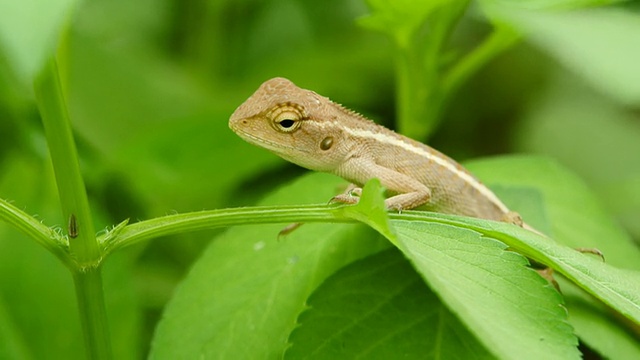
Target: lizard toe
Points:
(344, 199)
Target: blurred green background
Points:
(150, 85)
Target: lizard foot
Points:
(395, 207)
(593, 251)
(350, 196)
(547, 274)
(289, 229)
(514, 218)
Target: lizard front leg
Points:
(409, 192)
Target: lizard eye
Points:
(287, 123)
(286, 118)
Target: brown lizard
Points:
(312, 131)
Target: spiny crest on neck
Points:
(351, 113)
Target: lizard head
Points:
(295, 124)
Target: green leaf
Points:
(577, 219)
(29, 32)
(489, 268)
(242, 297)
(600, 44)
(371, 209)
(549, 4)
(617, 288)
(379, 308)
(566, 106)
(470, 272)
(511, 309)
(597, 326)
(399, 18)
(576, 216)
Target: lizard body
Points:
(312, 131)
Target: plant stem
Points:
(73, 196)
(442, 26)
(180, 223)
(93, 316)
(410, 93)
(500, 40)
(34, 229)
(423, 91)
(419, 73)
(83, 245)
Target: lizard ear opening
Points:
(326, 143)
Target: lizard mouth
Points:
(268, 144)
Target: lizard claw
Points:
(593, 251)
(396, 207)
(345, 199)
(288, 229)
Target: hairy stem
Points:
(83, 245)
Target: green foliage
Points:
(428, 74)
(135, 104)
(260, 283)
(489, 289)
(379, 308)
(475, 270)
(582, 40)
(400, 19)
(38, 22)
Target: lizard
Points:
(316, 133)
